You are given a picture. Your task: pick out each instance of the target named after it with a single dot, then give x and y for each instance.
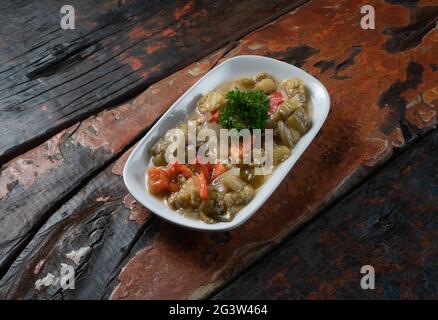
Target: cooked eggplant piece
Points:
(234, 201)
(229, 86)
(299, 121)
(187, 197)
(287, 136)
(233, 182)
(280, 153)
(295, 89)
(285, 110)
(266, 85)
(246, 83)
(206, 219)
(270, 123)
(159, 159)
(263, 75)
(247, 174)
(213, 209)
(211, 102)
(159, 148)
(158, 152)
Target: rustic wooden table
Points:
(74, 102)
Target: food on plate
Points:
(215, 190)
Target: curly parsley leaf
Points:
(245, 109)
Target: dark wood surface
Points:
(118, 49)
(66, 193)
(61, 166)
(51, 78)
(92, 219)
(390, 222)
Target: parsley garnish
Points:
(244, 109)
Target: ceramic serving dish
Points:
(134, 173)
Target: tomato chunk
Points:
(160, 182)
(203, 186)
(214, 116)
(174, 186)
(276, 99)
(175, 168)
(205, 168)
(218, 169)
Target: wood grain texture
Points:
(380, 101)
(390, 222)
(91, 232)
(51, 78)
(35, 183)
(372, 92)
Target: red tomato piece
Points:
(205, 168)
(214, 116)
(218, 169)
(203, 189)
(174, 187)
(276, 99)
(159, 181)
(174, 169)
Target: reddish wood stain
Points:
(34, 164)
(134, 62)
(139, 33)
(180, 264)
(179, 12)
(114, 129)
(168, 32)
(155, 47)
(137, 212)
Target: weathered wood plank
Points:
(91, 233)
(391, 223)
(374, 94)
(50, 78)
(32, 184)
(364, 127)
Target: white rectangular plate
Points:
(134, 173)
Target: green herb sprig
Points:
(245, 109)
